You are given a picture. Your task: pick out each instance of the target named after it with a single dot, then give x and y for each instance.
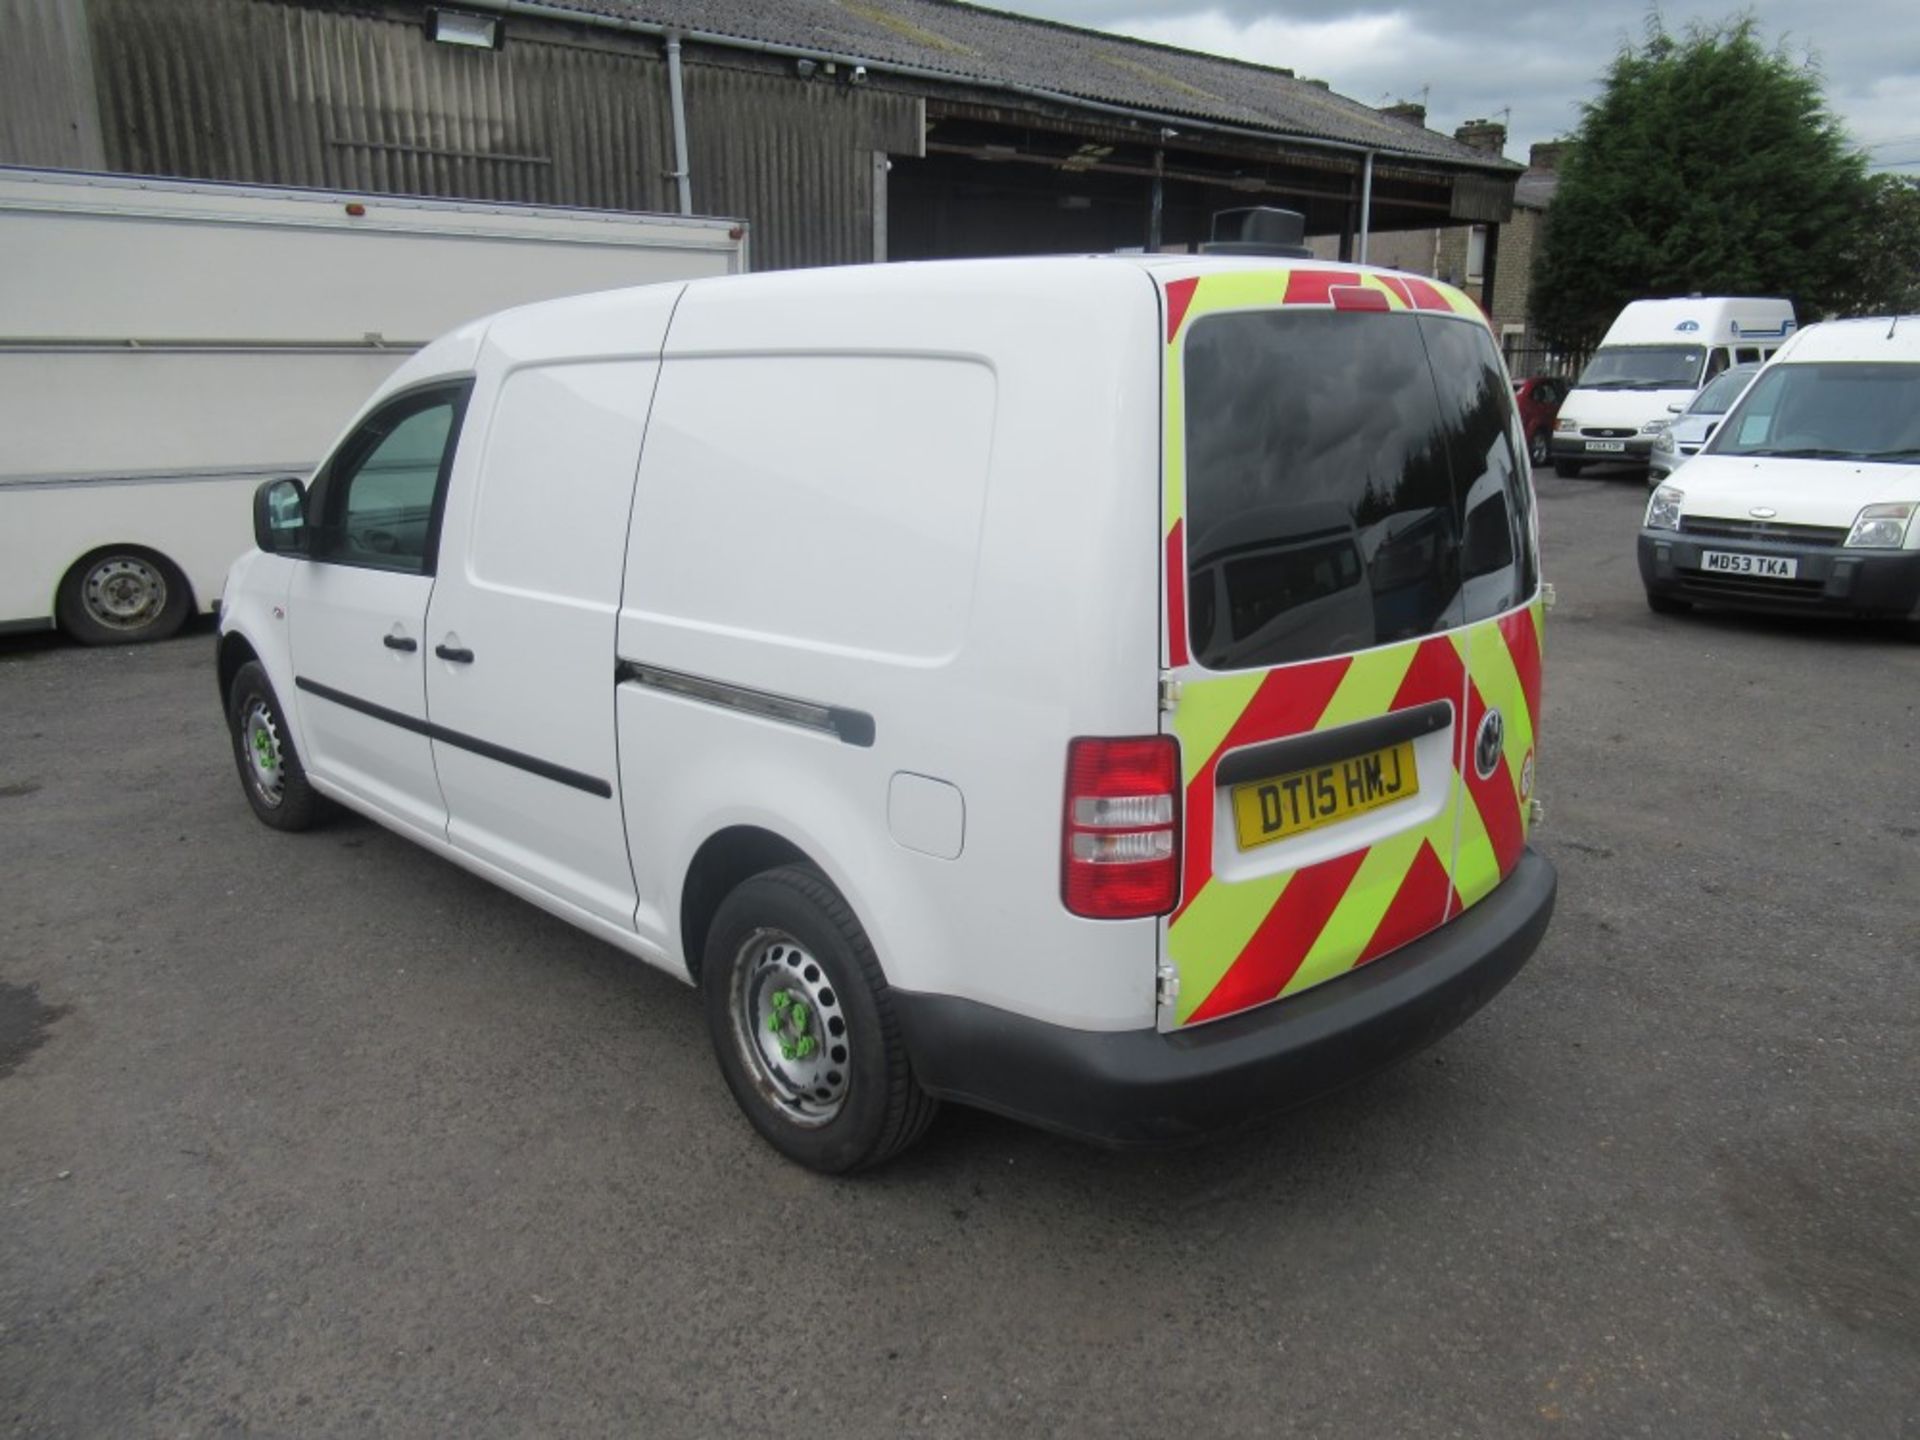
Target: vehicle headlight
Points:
(1880, 527)
(1564, 425)
(1663, 511)
(1663, 442)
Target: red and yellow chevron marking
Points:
(1241, 943)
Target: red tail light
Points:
(1120, 851)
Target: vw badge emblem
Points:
(1763, 512)
(1487, 744)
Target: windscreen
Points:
(1644, 367)
(1719, 396)
(1828, 411)
(1351, 482)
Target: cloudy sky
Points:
(1533, 62)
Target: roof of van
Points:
(1306, 283)
(1879, 337)
(1701, 320)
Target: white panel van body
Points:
(1656, 355)
(908, 656)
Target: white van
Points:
(1804, 499)
(1101, 690)
(1656, 355)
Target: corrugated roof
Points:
(997, 49)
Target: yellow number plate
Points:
(1268, 810)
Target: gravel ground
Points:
(320, 1135)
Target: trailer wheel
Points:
(122, 595)
(803, 1025)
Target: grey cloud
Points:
(1540, 58)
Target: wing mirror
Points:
(280, 517)
(1676, 409)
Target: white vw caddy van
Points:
(1101, 690)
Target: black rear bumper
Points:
(1143, 1087)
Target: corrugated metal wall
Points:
(794, 157)
(47, 112)
(280, 92)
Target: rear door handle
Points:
(400, 642)
(457, 656)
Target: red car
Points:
(1539, 400)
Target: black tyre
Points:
(270, 770)
(1667, 605)
(122, 595)
(1568, 469)
(803, 1025)
(1537, 448)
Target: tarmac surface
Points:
(319, 1135)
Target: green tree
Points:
(1709, 164)
(1886, 266)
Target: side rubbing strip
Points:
(855, 727)
(532, 764)
(1324, 747)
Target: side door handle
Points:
(457, 656)
(400, 642)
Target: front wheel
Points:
(270, 769)
(121, 596)
(1537, 448)
(803, 1026)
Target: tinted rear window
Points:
(1351, 482)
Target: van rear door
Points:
(1324, 432)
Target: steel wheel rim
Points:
(260, 739)
(124, 593)
(790, 1028)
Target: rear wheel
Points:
(1667, 605)
(1537, 448)
(1568, 469)
(270, 769)
(122, 595)
(803, 1026)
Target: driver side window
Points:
(381, 488)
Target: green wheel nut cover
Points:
(806, 1046)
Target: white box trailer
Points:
(167, 345)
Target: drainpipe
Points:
(1159, 201)
(1366, 205)
(682, 180)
